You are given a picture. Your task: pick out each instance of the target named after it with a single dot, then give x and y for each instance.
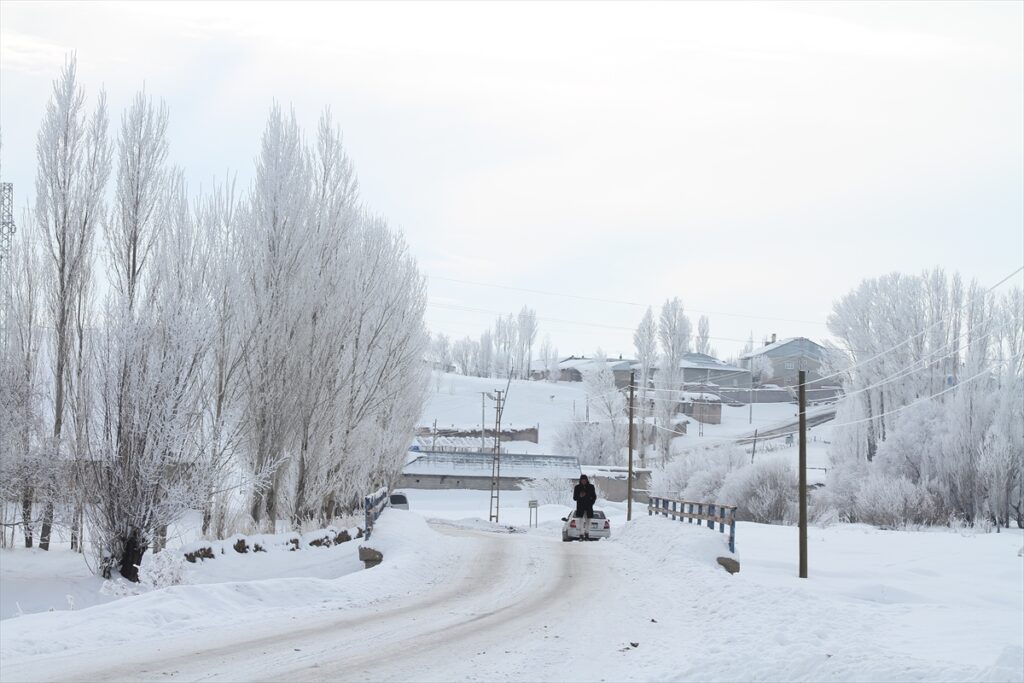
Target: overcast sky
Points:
(756, 160)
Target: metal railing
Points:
(373, 505)
(690, 512)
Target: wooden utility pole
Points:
(629, 479)
(803, 476)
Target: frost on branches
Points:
(934, 407)
(257, 353)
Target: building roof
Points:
(808, 346)
(584, 364)
(702, 361)
(513, 465)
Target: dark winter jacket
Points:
(584, 494)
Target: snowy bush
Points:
(893, 502)
(593, 443)
(164, 569)
(551, 491)
(763, 492)
(697, 474)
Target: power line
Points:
(984, 372)
(615, 301)
(915, 336)
(471, 309)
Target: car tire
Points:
(565, 537)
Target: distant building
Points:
(700, 369)
(572, 368)
(779, 362)
(443, 470)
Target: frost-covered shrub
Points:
(697, 475)
(164, 569)
(158, 570)
(762, 492)
(593, 443)
(551, 491)
(893, 502)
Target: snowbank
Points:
(306, 584)
(667, 542)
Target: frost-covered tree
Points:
(279, 225)
(526, 336)
(464, 355)
(267, 347)
(600, 440)
(485, 356)
(383, 378)
(552, 365)
(146, 466)
(321, 278)
(645, 340)
(761, 369)
(674, 336)
(220, 217)
(441, 351)
(549, 356)
(506, 338)
(73, 156)
(22, 380)
(703, 340)
(927, 360)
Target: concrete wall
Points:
(614, 488)
(444, 481)
(704, 411)
(530, 434)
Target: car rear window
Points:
(598, 515)
(398, 499)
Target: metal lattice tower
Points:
(6, 220)
(6, 236)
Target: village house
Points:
(778, 363)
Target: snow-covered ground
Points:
(462, 599)
(455, 402)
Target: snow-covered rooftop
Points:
(516, 465)
(814, 347)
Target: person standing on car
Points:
(585, 496)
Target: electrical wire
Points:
(922, 332)
(616, 301)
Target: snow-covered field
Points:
(455, 402)
(462, 599)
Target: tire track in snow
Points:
(490, 561)
(410, 658)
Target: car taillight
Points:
(607, 524)
(572, 524)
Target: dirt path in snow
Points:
(508, 585)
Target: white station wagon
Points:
(599, 527)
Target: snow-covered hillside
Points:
(455, 402)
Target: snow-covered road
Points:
(452, 602)
(506, 586)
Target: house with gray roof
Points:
(779, 362)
